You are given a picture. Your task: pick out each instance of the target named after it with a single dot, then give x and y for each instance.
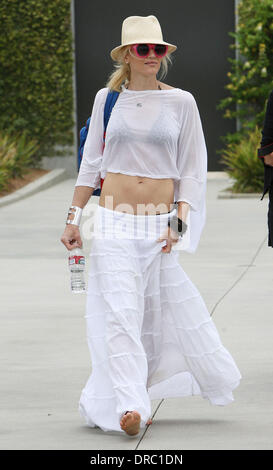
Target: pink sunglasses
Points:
(143, 50)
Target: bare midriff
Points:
(137, 194)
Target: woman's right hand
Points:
(71, 238)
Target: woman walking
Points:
(149, 332)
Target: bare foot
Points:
(130, 422)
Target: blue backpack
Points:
(109, 104)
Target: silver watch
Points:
(176, 223)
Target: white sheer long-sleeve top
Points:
(155, 134)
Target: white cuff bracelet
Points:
(77, 215)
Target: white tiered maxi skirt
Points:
(149, 332)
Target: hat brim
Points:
(115, 52)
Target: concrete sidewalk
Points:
(44, 352)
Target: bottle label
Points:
(76, 259)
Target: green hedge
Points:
(251, 73)
(36, 73)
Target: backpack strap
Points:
(83, 135)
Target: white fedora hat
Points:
(141, 29)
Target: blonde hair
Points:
(122, 74)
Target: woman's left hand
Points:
(171, 238)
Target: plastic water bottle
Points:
(76, 263)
